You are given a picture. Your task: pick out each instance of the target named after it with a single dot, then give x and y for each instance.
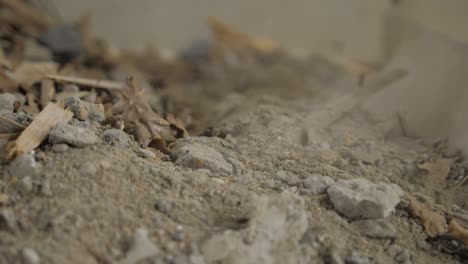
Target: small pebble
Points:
(45, 189)
(59, 148)
(25, 185)
(30, 256)
(105, 164)
(318, 184)
(146, 153)
(116, 137)
(403, 257)
(24, 165)
(88, 168)
(179, 234)
(7, 220)
(163, 205)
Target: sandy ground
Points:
(247, 191)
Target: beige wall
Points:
(310, 24)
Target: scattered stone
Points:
(105, 164)
(237, 166)
(146, 153)
(84, 110)
(287, 177)
(25, 185)
(163, 205)
(45, 189)
(72, 135)
(116, 137)
(378, 228)
(24, 165)
(179, 234)
(318, 184)
(141, 248)
(64, 41)
(198, 156)
(7, 103)
(88, 168)
(361, 199)
(30, 256)
(403, 257)
(71, 88)
(357, 258)
(60, 148)
(7, 220)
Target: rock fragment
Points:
(7, 103)
(318, 184)
(361, 199)
(72, 135)
(198, 156)
(84, 110)
(59, 148)
(378, 228)
(141, 248)
(88, 168)
(146, 153)
(30, 256)
(116, 137)
(24, 165)
(25, 185)
(8, 220)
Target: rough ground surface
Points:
(244, 194)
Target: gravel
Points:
(318, 184)
(72, 135)
(198, 156)
(84, 110)
(362, 199)
(116, 137)
(378, 228)
(24, 165)
(30, 256)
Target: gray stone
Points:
(357, 258)
(6, 103)
(179, 234)
(141, 248)
(64, 41)
(60, 148)
(45, 189)
(72, 135)
(378, 228)
(88, 168)
(361, 199)
(116, 137)
(403, 257)
(318, 184)
(198, 156)
(25, 185)
(163, 205)
(84, 110)
(24, 165)
(8, 220)
(71, 88)
(30, 256)
(146, 153)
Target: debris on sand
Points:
(38, 130)
(362, 199)
(434, 223)
(456, 231)
(141, 248)
(73, 135)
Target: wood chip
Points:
(456, 231)
(438, 170)
(29, 73)
(104, 84)
(8, 126)
(47, 92)
(38, 130)
(434, 223)
(28, 13)
(230, 38)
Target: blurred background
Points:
(353, 27)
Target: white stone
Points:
(318, 184)
(198, 156)
(30, 256)
(361, 199)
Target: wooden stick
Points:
(105, 84)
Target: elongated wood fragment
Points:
(105, 84)
(38, 130)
